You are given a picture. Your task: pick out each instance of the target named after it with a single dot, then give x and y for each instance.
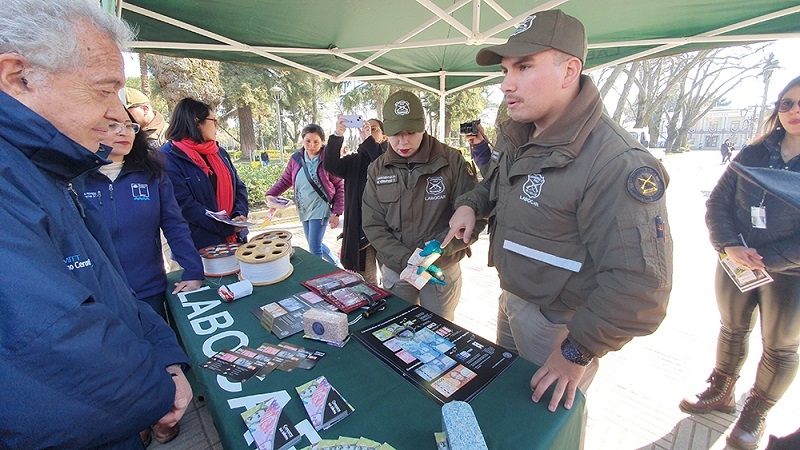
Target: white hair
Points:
(45, 32)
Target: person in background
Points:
(137, 200)
(726, 150)
(757, 231)
(479, 148)
(203, 175)
(264, 158)
(153, 124)
(408, 199)
(84, 364)
(577, 214)
(318, 194)
(357, 253)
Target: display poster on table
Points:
(443, 360)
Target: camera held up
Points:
(470, 127)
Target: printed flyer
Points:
(441, 359)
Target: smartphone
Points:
(353, 121)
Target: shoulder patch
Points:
(645, 185)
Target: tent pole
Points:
(442, 95)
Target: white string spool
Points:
(264, 261)
(276, 234)
(220, 260)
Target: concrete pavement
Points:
(633, 402)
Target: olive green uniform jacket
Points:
(409, 201)
(574, 218)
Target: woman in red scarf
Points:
(203, 175)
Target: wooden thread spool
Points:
(264, 261)
(276, 234)
(220, 260)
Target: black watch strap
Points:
(573, 355)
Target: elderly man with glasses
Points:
(84, 364)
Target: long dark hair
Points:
(186, 118)
(773, 123)
(141, 157)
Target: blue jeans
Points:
(314, 230)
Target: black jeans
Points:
(778, 304)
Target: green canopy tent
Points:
(431, 44)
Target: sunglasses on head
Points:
(786, 105)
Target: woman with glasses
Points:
(136, 198)
(357, 254)
(203, 175)
(756, 230)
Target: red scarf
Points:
(224, 188)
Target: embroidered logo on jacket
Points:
(402, 108)
(533, 187)
(645, 185)
(435, 189)
(140, 191)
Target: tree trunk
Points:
(144, 77)
(623, 97)
(247, 135)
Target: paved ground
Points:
(633, 401)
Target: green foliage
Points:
(259, 179)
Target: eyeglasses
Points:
(117, 128)
(216, 122)
(786, 105)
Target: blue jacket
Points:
(195, 195)
(135, 207)
(82, 362)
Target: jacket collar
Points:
(46, 147)
(568, 132)
(429, 148)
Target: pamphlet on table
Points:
(443, 360)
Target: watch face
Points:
(571, 354)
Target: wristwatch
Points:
(573, 355)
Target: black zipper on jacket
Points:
(76, 200)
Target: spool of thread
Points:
(235, 291)
(220, 260)
(276, 234)
(264, 261)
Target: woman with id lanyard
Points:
(319, 196)
(738, 211)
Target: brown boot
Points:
(750, 426)
(718, 396)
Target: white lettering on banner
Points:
(200, 307)
(215, 324)
(227, 320)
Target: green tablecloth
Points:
(387, 407)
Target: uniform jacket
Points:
(728, 214)
(573, 217)
(409, 201)
(82, 362)
(333, 185)
(195, 195)
(352, 169)
(135, 207)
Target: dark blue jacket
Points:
(195, 195)
(82, 362)
(135, 207)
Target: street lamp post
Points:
(277, 94)
(749, 121)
